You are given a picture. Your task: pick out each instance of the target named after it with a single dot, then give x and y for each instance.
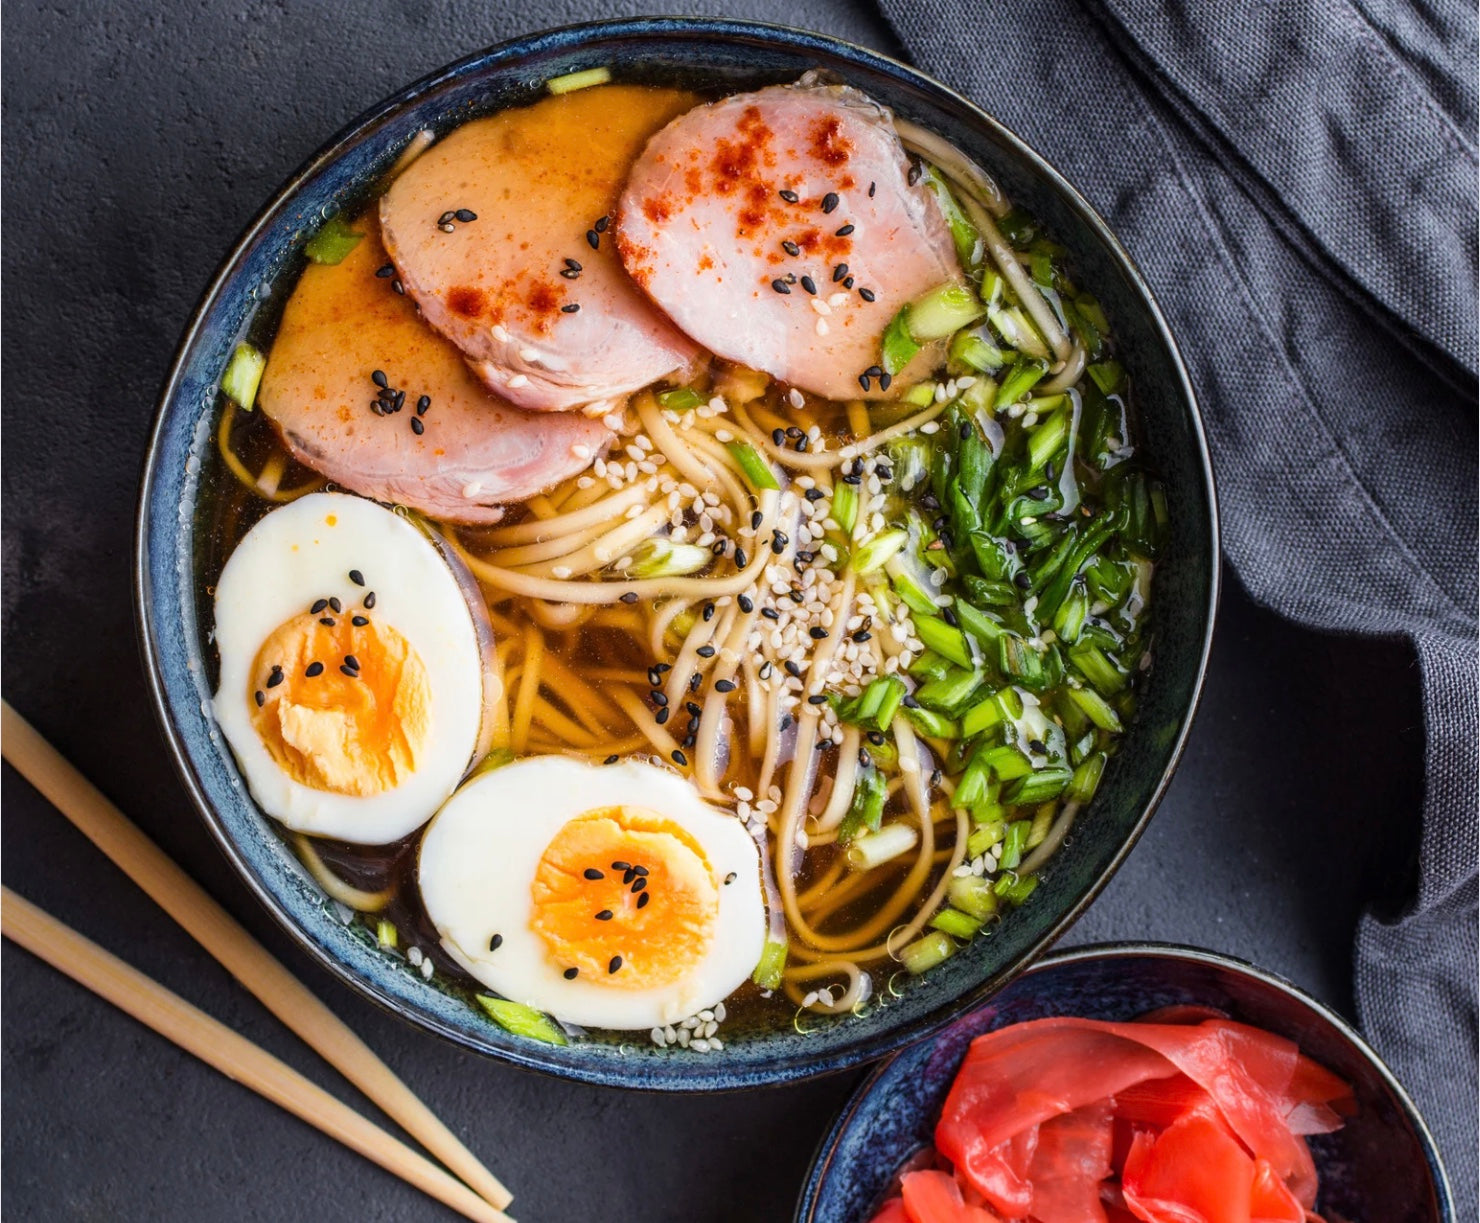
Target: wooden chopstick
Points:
(242, 956)
(227, 1051)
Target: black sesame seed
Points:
(862, 635)
(708, 612)
(780, 286)
(724, 685)
(630, 597)
(640, 870)
(839, 272)
(275, 678)
(694, 681)
(864, 382)
(643, 899)
(814, 494)
(621, 866)
(844, 231)
(852, 479)
(318, 606)
(398, 288)
(1038, 747)
(350, 671)
(809, 285)
(884, 473)
(824, 745)
(359, 621)
(385, 271)
(313, 669)
(572, 265)
(791, 197)
(592, 873)
(817, 698)
(740, 558)
(884, 381)
(950, 617)
(604, 915)
(868, 295)
(572, 973)
(661, 717)
(864, 759)
(705, 651)
(423, 404)
(601, 224)
(756, 519)
(465, 215)
(778, 436)
(658, 698)
(336, 604)
(791, 248)
(378, 377)
(829, 201)
(369, 600)
(260, 697)
(847, 282)
(417, 426)
(792, 668)
(662, 668)
(786, 722)
(655, 678)
(747, 604)
(573, 308)
(876, 738)
(614, 964)
(446, 218)
(571, 274)
(1039, 492)
(871, 188)
(593, 239)
(678, 757)
(770, 613)
(801, 445)
(817, 632)
(638, 885)
(610, 760)
(693, 708)
(356, 577)
(1022, 581)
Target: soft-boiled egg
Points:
(610, 896)
(353, 668)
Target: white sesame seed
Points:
(561, 571)
(427, 968)
(529, 354)
(822, 327)
(414, 955)
(517, 381)
(500, 333)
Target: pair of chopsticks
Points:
(477, 1195)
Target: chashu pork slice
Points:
(779, 230)
(473, 453)
(527, 283)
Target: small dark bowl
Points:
(175, 551)
(1381, 1167)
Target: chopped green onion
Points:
(1018, 890)
(873, 554)
(1090, 661)
(963, 232)
(865, 811)
(522, 1020)
(898, 347)
(584, 79)
(385, 933)
(980, 625)
(496, 759)
(1017, 659)
(942, 312)
(980, 839)
(333, 242)
(755, 469)
(955, 923)
(921, 395)
(1042, 822)
(982, 716)
(944, 640)
(1108, 376)
(243, 373)
(1039, 788)
(926, 952)
(930, 724)
(949, 694)
(1096, 708)
(876, 848)
(973, 894)
(680, 399)
(1014, 327)
(1007, 762)
(1020, 379)
(1013, 843)
(1086, 779)
(662, 558)
(1047, 438)
(844, 508)
(973, 349)
(768, 969)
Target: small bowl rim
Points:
(1113, 952)
(705, 1074)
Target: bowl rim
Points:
(704, 1075)
(1114, 952)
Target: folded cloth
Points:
(1297, 181)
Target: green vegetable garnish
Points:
(243, 373)
(333, 242)
(522, 1020)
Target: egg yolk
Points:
(341, 707)
(589, 905)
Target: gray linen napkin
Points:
(1298, 183)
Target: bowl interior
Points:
(1381, 1167)
(174, 532)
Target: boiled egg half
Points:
(609, 896)
(354, 668)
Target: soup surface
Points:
(680, 563)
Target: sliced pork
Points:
(779, 229)
(345, 331)
(500, 233)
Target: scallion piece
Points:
(949, 694)
(1018, 660)
(496, 759)
(243, 373)
(663, 558)
(385, 934)
(333, 242)
(755, 468)
(769, 968)
(921, 395)
(1020, 379)
(584, 79)
(875, 848)
(1014, 327)
(1007, 762)
(865, 811)
(980, 839)
(1086, 779)
(1013, 844)
(931, 724)
(957, 924)
(1018, 890)
(942, 312)
(845, 507)
(982, 716)
(1108, 376)
(973, 894)
(974, 350)
(944, 640)
(898, 347)
(963, 232)
(926, 952)
(680, 399)
(1096, 708)
(522, 1020)
(1090, 661)
(872, 555)
(1038, 788)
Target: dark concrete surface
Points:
(138, 140)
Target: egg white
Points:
(293, 557)
(480, 854)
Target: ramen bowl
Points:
(176, 516)
(1382, 1164)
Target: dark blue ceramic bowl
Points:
(175, 546)
(1381, 1167)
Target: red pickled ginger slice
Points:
(934, 1197)
(1070, 1164)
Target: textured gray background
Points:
(137, 144)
